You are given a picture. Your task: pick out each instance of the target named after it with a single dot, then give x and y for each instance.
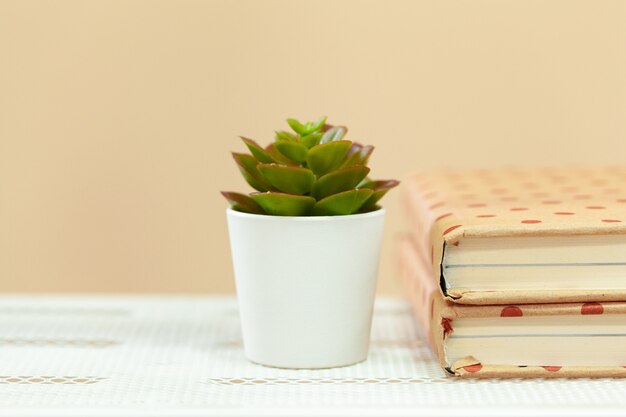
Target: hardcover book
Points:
(522, 236)
(515, 340)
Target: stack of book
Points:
(519, 273)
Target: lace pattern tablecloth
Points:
(182, 356)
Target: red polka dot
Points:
(473, 368)
(596, 207)
(611, 221)
(486, 215)
(446, 324)
(592, 308)
(564, 213)
(530, 221)
(443, 216)
(552, 368)
(477, 205)
(551, 202)
(511, 311)
(519, 209)
(439, 204)
(449, 229)
(582, 197)
(621, 200)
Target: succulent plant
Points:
(311, 171)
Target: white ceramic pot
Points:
(306, 286)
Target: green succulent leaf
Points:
(277, 156)
(358, 155)
(293, 150)
(259, 153)
(317, 125)
(248, 168)
(280, 204)
(344, 203)
(380, 188)
(367, 209)
(311, 140)
(242, 202)
(326, 157)
(297, 127)
(288, 136)
(338, 181)
(246, 161)
(333, 134)
(292, 180)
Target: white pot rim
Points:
(337, 218)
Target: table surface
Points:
(182, 356)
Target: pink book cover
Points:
(452, 206)
(436, 317)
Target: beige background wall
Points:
(116, 117)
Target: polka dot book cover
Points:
(519, 273)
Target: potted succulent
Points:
(305, 247)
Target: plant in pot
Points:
(306, 246)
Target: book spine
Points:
(432, 224)
(415, 273)
(442, 320)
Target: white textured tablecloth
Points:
(182, 356)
